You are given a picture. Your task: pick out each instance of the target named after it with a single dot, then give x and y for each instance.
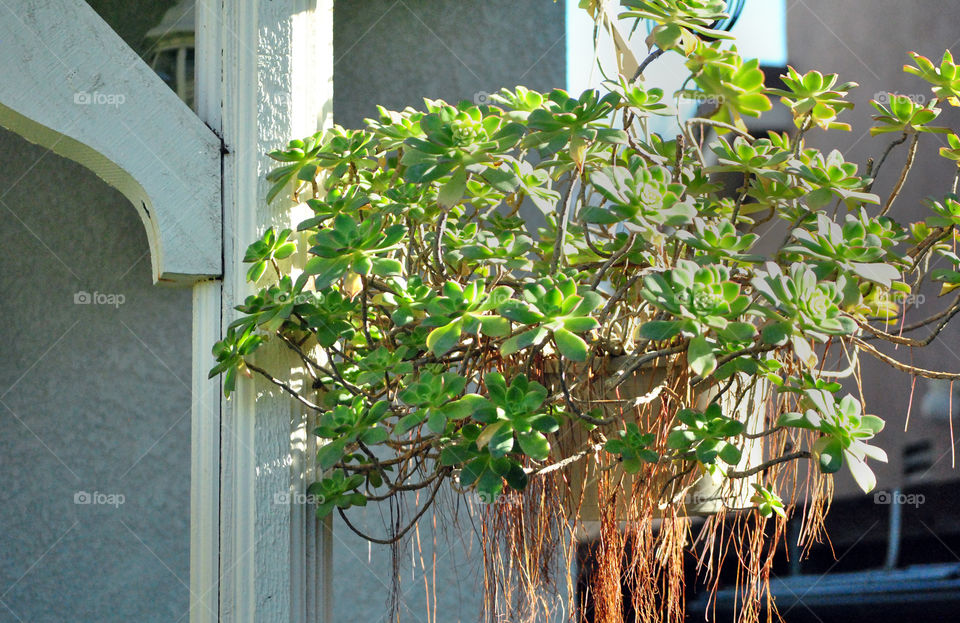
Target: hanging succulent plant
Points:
(451, 346)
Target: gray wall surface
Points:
(395, 53)
(94, 404)
(867, 41)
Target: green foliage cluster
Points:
(430, 315)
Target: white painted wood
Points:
(80, 91)
(205, 458)
(277, 66)
(207, 311)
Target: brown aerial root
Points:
(645, 551)
(524, 540)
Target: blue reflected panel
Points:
(762, 31)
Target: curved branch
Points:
(899, 365)
(911, 158)
(402, 533)
(873, 171)
(646, 62)
(284, 386)
(720, 124)
(562, 223)
(616, 257)
(952, 311)
(793, 456)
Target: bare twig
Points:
(903, 367)
(284, 386)
(873, 171)
(399, 535)
(911, 158)
(562, 223)
(646, 62)
(616, 257)
(793, 456)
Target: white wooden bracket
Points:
(81, 92)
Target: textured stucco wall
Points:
(867, 41)
(395, 53)
(93, 398)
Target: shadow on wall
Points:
(94, 404)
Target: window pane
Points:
(161, 32)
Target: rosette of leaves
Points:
(720, 241)
(230, 353)
(833, 178)
(734, 86)
(349, 201)
(509, 248)
(458, 142)
(374, 369)
(272, 306)
(464, 310)
(946, 212)
(552, 308)
(766, 501)
(355, 247)
(815, 98)
(705, 435)
(843, 434)
(708, 306)
(855, 247)
(902, 114)
(271, 247)
(946, 218)
(951, 151)
(678, 23)
(640, 100)
(512, 422)
(944, 77)
(576, 123)
(349, 424)
(801, 307)
(633, 447)
(437, 400)
(515, 418)
(761, 158)
(337, 491)
(949, 278)
(338, 151)
(644, 196)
